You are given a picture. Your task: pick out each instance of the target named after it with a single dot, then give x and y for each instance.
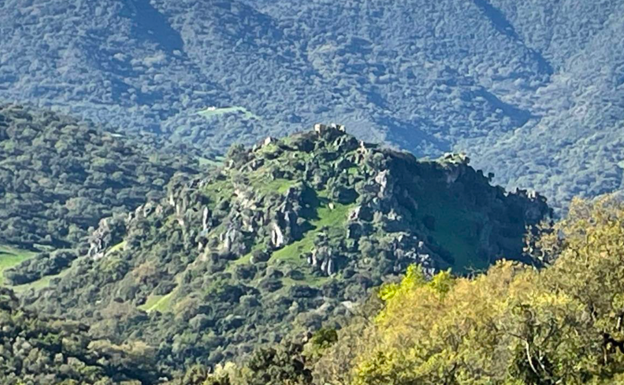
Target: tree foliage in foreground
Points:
(513, 325)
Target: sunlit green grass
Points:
(118, 247)
(40, 283)
(279, 186)
(151, 303)
(331, 219)
(164, 304)
(209, 112)
(292, 253)
(10, 257)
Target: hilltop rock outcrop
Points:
(296, 226)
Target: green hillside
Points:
(39, 350)
(276, 241)
(59, 176)
(10, 257)
(513, 324)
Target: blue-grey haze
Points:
(532, 90)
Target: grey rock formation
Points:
(109, 232)
(277, 236)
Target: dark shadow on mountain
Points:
(517, 115)
(246, 28)
(499, 21)
(502, 25)
(151, 25)
(373, 96)
(409, 136)
(542, 64)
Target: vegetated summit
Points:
(283, 238)
(532, 90)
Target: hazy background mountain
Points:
(530, 90)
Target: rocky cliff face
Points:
(279, 237)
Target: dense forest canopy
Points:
(532, 89)
(168, 217)
(59, 176)
(39, 350)
(281, 264)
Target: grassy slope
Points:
(10, 256)
(118, 247)
(40, 283)
(156, 302)
(332, 219)
(207, 113)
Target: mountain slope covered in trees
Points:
(511, 325)
(38, 350)
(531, 90)
(59, 176)
(283, 239)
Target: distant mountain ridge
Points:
(532, 91)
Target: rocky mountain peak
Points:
(305, 222)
